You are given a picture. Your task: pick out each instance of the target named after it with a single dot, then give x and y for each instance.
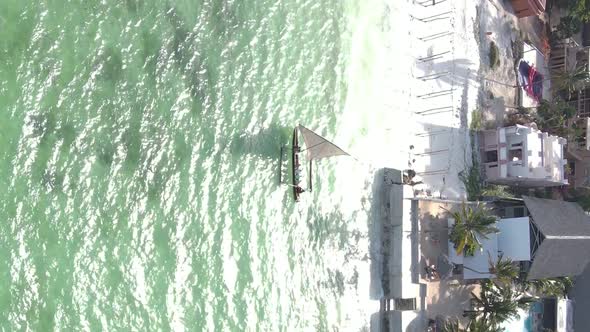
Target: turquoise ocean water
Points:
(139, 145)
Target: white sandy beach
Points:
(400, 97)
(415, 100)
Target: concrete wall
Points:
(525, 156)
(581, 169)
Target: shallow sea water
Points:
(140, 148)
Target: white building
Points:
(512, 242)
(539, 240)
(523, 156)
(535, 233)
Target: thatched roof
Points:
(565, 249)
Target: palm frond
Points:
(498, 303)
(451, 325)
(504, 269)
(471, 223)
(483, 325)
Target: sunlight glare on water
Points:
(140, 159)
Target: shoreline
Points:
(413, 108)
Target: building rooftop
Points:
(565, 248)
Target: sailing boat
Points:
(316, 147)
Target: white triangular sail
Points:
(318, 147)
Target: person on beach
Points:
(431, 272)
(408, 177)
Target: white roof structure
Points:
(527, 156)
(512, 242)
(476, 266)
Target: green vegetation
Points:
(476, 120)
(570, 81)
(556, 118)
(497, 304)
(520, 115)
(452, 325)
(580, 196)
(552, 287)
(567, 27)
(472, 180)
(578, 14)
(483, 325)
(507, 274)
(499, 301)
(472, 222)
(494, 55)
(492, 190)
(504, 270)
(568, 169)
(553, 116)
(578, 9)
(471, 177)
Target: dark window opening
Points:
(515, 155)
(536, 238)
(491, 156)
(518, 212)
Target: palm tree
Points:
(554, 116)
(497, 304)
(451, 325)
(571, 81)
(483, 325)
(551, 287)
(471, 223)
(503, 268)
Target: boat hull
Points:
(295, 165)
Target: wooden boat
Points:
(295, 157)
(316, 147)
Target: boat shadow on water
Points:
(265, 144)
